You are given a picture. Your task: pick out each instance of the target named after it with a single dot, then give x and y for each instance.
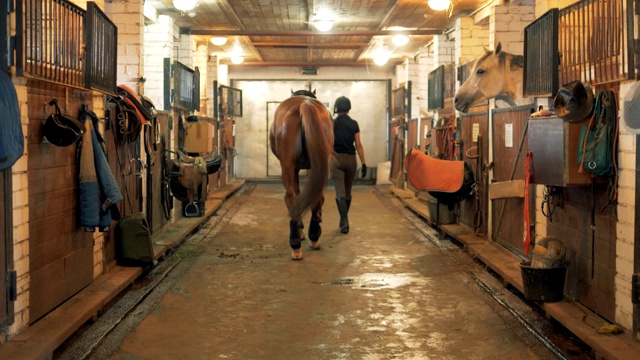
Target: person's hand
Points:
(364, 170)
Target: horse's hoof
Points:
(296, 254)
(344, 229)
(314, 245)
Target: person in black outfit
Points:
(346, 134)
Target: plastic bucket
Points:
(543, 284)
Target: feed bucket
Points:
(543, 284)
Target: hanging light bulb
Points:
(323, 25)
(400, 39)
(185, 5)
(237, 59)
(323, 20)
(439, 5)
(381, 57)
(219, 41)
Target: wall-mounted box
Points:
(554, 144)
(198, 137)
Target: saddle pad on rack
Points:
(427, 173)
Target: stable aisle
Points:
(383, 291)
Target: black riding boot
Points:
(343, 208)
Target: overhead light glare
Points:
(237, 59)
(381, 57)
(219, 41)
(323, 25)
(439, 5)
(400, 39)
(185, 5)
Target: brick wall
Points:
(159, 43)
(20, 208)
(506, 25)
(470, 39)
(128, 17)
(626, 220)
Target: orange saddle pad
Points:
(427, 173)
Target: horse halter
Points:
(304, 93)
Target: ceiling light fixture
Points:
(400, 39)
(439, 5)
(185, 5)
(219, 41)
(381, 57)
(323, 20)
(237, 59)
(323, 25)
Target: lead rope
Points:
(528, 167)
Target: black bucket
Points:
(543, 284)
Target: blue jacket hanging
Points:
(98, 189)
(11, 138)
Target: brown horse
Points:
(496, 74)
(301, 137)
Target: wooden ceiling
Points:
(281, 32)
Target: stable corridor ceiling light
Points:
(323, 25)
(439, 5)
(185, 5)
(219, 41)
(323, 20)
(381, 57)
(400, 40)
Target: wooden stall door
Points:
(425, 134)
(509, 154)
(60, 253)
(155, 209)
(397, 148)
(5, 213)
(412, 134)
(474, 133)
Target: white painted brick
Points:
(623, 317)
(624, 247)
(21, 198)
(627, 178)
(626, 213)
(626, 142)
(624, 267)
(626, 160)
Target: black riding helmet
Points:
(342, 104)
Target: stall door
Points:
(475, 150)
(509, 154)
(5, 212)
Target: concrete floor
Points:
(383, 291)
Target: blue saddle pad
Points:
(11, 139)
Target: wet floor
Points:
(383, 291)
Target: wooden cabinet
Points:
(554, 144)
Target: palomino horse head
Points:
(495, 74)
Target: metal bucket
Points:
(543, 284)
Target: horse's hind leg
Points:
(295, 232)
(315, 230)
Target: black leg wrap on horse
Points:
(294, 235)
(314, 230)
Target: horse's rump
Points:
(449, 181)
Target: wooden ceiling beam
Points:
(297, 44)
(309, 33)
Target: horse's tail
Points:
(317, 130)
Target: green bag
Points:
(597, 140)
(133, 241)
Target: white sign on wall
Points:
(508, 135)
(475, 131)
